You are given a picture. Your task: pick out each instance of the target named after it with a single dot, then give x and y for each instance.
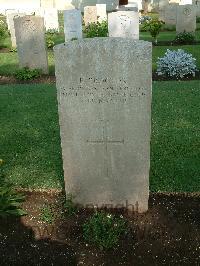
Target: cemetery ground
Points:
(30, 146)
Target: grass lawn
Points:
(9, 63)
(30, 143)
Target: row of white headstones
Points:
(123, 23)
(183, 16)
(30, 39)
(73, 20)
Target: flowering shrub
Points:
(154, 26)
(144, 19)
(176, 64)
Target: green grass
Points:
(175, 146)
(29, 135)
(164, 36)
(9, 63)
(30, 143)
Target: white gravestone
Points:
(51, 19)
(31, 45)
(90, 15)
(10, 11)
(186, 18)
(72, 24)
(169, 14)
(111, 5)
(129, 7)
(124, 24)
(101, 12)
(10, 18)
(50, 16)
(197, 6)
(185, 2)
(104, 101)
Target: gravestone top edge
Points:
(92, 41)
(29, 16)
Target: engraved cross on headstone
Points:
(106, 141)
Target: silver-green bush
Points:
(176, 64)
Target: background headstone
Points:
(90, 14)
(10, 18)
(50, 16)
(51, 19)
(101, 12)
(124, 24)
(47, 3)
(185, 2)
(31, 46)
(129, 7)
(72, 24)
(105, 119)
(186, 18)
(10, 11)
(197, 5)
(169, 14)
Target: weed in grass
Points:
(47, 214)
(69, 208)
(104, 230)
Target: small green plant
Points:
(3, 32)
(99, 29)
(154, 26)
(47, 214)
(198, 19)
(104, 230)
(184, 38)
(49, 40)
(27, 74)
(69, 208)
(10, 200)
(13, 50)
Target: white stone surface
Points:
(90, 15)
(101, 12)
(124, 24)
(31, 45)
(130, 7)
(10, 18)
(104, 100)
(50, 16)
(185, 2)
(51, 19)
(10, 11)
(72, 24)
